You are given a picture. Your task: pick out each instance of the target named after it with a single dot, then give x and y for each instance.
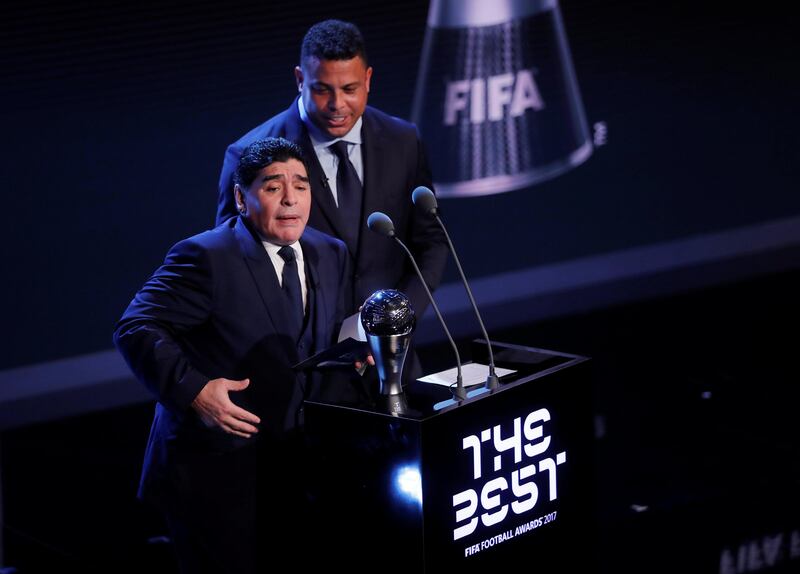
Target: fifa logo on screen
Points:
(511, 471)
(497, 100)
(488, 99)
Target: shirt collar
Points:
(272, 249)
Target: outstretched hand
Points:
(215, 408)
(361, 366)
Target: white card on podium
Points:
(471, 373)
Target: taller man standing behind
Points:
(361, 160)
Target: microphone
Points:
(381, 223)
(425, 201)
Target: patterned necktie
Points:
(349, 192)
(292, 291)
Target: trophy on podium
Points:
(389, 320)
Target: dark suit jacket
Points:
(394, 165)
(215, 309)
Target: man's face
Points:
(334, 92)
(278, 201)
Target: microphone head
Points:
(381, 223)
(425, 201)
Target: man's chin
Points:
(333, 134)
(285, 239)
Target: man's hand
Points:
(216, 409)
(361, 366)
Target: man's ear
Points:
(241, 207)
(298, 77)
(369, 77)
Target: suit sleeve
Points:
(226, 206)
(426, 241)
(174, 300)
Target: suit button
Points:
(301, 346)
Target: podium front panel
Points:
(506, 477)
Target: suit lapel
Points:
(267, 284)
(311, 256)
(377, 164)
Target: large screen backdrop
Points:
(594, 138)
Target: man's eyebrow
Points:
(303, 178)
(318, 84)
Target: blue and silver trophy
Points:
(389, 320)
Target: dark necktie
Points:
(348, 192)
(291, 289)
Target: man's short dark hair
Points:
(262, 153)
(333, 40)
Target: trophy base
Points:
(394, 404)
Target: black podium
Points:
(500, 480)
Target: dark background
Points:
(115, 117)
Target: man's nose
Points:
(289, 197)
(333, 100)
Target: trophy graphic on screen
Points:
(389, 320)
(496, 100)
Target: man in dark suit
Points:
(213, 334)
(382, 155)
